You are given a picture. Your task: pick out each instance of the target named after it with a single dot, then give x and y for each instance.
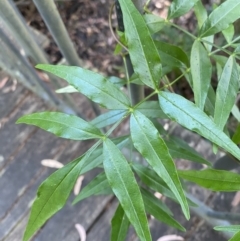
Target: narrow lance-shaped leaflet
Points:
(149, 143)
(125, 187)
(191, 117)
(142, 50)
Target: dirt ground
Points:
(88, 27)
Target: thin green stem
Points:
(200, 39)
(181, 29)
(145, 99)
(128, 79)
(216, 46)
(109, 132)
(174, 81)
(225, 46)
(145, 7)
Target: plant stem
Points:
(203, 40)
(225, 46)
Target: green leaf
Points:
(96, 159)
(210, 101)
(201, 14)
(151, 109)
(149, 143)
(152, 180)
(141, 45)
(201, 69)
(62, 125)
(230, 228)
(178, 149)
(154, 22)
(172, 55)
(236, 237)
(180, 7)
(93, 85)
(149, 196)
(236, 136)
(226, 92)
(191, 117)
(229, 33)
(67, 89)
(98, 186)
(125, 187)
(53, 193)
(108, 118)
(120, 225)
(215, 180)
(154, 207)
(235, 112)
(220, 18)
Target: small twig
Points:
(111, 28)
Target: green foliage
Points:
(157, 65)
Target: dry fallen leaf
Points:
(78, 185)
(52, 163)
(158, 195)
(171, 238)
(236, 199)
(3, 82)
(81, 231)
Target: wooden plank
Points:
(14, 223)
(12, 136)
(62, 225)
(101, 230)
(22, 172)
(10, 100)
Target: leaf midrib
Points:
(209, 179)
(63, 124)
(91, 84)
